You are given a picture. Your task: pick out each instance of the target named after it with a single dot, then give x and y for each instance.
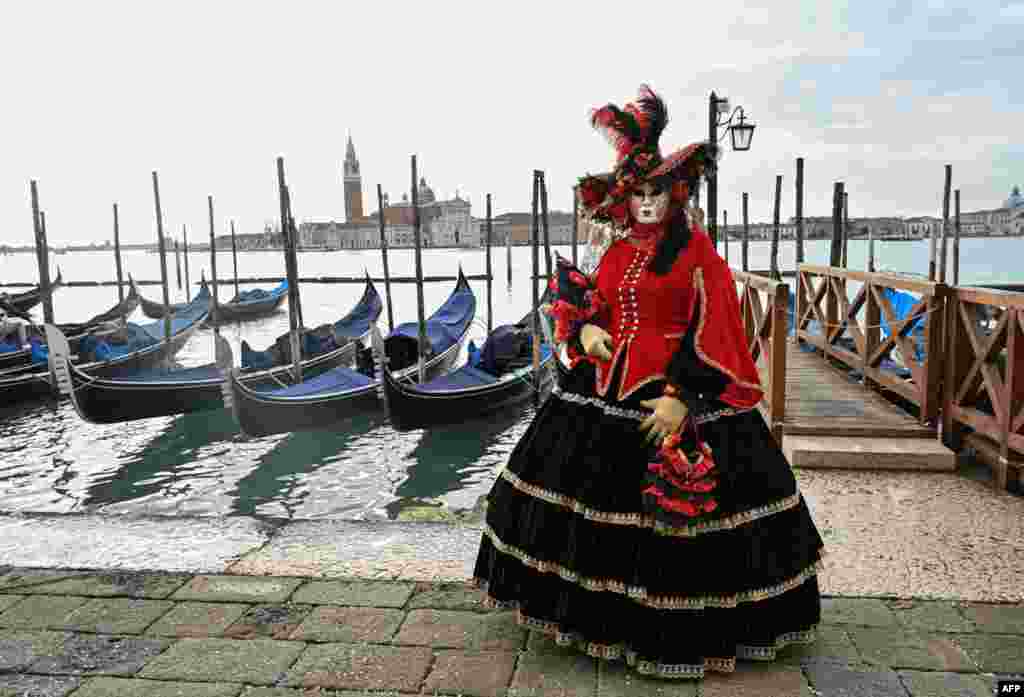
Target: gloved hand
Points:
(596, 341)
(667, 418)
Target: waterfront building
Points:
(451, 224)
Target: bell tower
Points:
(353, 182)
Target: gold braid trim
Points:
(698, 281)
(643, 520)
(768, 653)
(637, 414)
(640, 595)
(612, 652)
(615, 652)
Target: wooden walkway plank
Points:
(831, 421)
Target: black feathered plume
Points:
(657, 114)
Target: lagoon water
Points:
(200, 464)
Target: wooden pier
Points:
(831, 398)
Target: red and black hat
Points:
(633, 132)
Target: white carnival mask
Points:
(648, 207)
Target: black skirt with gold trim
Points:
(569, 544)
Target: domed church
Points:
(1016, 200)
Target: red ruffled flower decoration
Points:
(576, 300)
(679, 487)
(569, 318)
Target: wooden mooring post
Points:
(327, 280)
(184, 245)
(535, 245)
(575, 226)
(48, 293)
(177, 261)
(42, 252)
(725, 234)
(745, 244)
(799, 211)
(845, 263)
(508, 256)
(835, 257)
(162, 246)
(294, 322)
(956, 241)
(774, 262)
(234, 256)
(213, 272)
(420, 313)
(544, 224)
(117, 258)
(384, 256)
(871, 249)
(490, 305)
(945, 223)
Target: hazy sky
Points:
(99, 94)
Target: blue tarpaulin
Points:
(336, 380)
(258, 294)
(902, 303)
(356, 323)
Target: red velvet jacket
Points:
(648, 316)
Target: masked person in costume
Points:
(648, 514)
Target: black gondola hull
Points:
(263, 417)
(105, 401)
(26, 385)
(75, 332)
(23, 302)
(409, 408)
(239, 311)
(30, 384)
(227, 312)
(178, 392)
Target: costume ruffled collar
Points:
(647, 235)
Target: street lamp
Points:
(741, 133)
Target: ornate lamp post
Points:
(741, 134)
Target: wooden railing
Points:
(984, 384)
(860, 321)
(766, 324)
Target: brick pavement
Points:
(128, 634)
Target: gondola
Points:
(78, 330)
(245, 305)
(254, 303)
(472, 391)
(147, 346)
(164, 392)
(338, 394)
(23, 302)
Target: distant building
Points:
(353, 183)
(451, 224)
